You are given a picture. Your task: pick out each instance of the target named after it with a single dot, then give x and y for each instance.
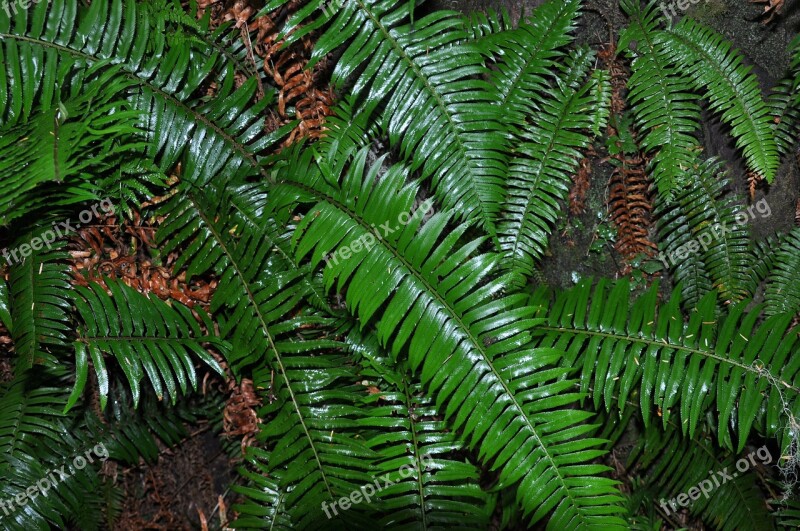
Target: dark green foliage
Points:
(703, 240)
(145, 335)
(38, 310)
(662, 99)
(783, 288)
(676, 465)
(374, 285)
(646, 349)
(539, 173)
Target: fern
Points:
(528, 56)
(373, 284)
(704, 240)
(783, 293)
(425, 77)
(146, 336)
(539, 173)
(706, 59)
(662, 99)
(682, 465)
(681, 368)
(66, 144)
(785, 103)
(39, 299)
(130, 47)
(431, 486)
(479, 375)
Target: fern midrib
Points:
(467, 331)
(415, 442)
(485, 216)
(237, 146)
(28, 357)
(280, 501)
(540, 175)
(251, 296)
(662, 343)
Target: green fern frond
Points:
(483, 26)
(258, 291)
(349, 129)
(426, 75)
(783, 290)
(675, 465)
(787, 513)
(40, 299)
(312, 430)
(469, 345)
(431, 487)
(264, 496)
(134, 182)
(703, 240)
(785, 112)
(707, 62)
(59, 44)
(528, 57)
(233, 239)
(145, 335)
(785, 103)
(622, 349)
(37, 440)
(763, 261)
(540, 172)
(662, 100)
(69, 144)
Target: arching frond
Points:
(540, 172)
(469, 346)
(426, 75)
(662, 99)
(745, 373)
(703, 239)
(40, 298)
(431, 484)
(145, 335)
(783, 290)
(706, 60)
(714, 489)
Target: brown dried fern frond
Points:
(631, 208)
(303, 94)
